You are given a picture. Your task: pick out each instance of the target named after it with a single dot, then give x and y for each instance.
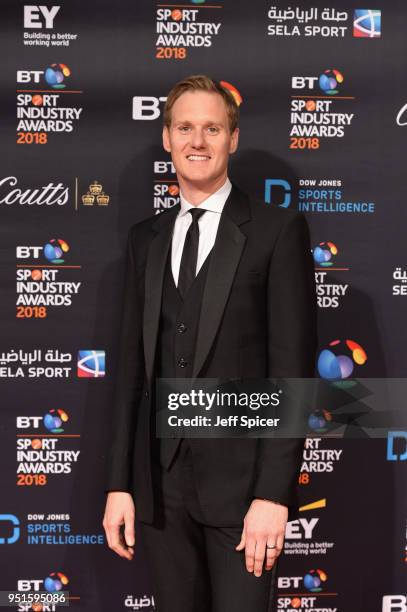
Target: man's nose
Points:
(198, 138)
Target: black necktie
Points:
(190, 253)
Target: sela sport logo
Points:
(367, 23)
(91, 364)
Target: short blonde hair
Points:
(201, 82)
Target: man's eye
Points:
(183, 128)
(213, 130)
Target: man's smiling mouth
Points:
(198, 157)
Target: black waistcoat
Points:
(176, 341)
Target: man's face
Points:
(199, 139)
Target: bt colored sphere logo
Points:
(323, 254)
(56, 74)
(314, 579)
(54, 249)
(232, 90)
(54, 419)
(55, 582)
(337, 363)
(329, 81)
(319, 420)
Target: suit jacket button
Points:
(182, 362)
(146, 394)
(182, 328)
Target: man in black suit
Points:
(220, 286)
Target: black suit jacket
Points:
(258, 320)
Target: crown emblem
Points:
(95, 195)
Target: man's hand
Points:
(120, 511)
(264, 524)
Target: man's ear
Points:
(234, 140)
(166, 139)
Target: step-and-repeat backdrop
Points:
(323, 100)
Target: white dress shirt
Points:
(208, 227)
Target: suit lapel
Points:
(227, 251)
(226, 254)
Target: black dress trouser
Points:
(195, 567)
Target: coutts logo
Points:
(49, 194)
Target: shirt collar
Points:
(215, 202)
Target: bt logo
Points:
(52, 251)
(394, 603)
(146, 108)
(328, 81)
(56, 581)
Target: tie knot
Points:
(196, 213)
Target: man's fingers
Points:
(114, 533)
(280, 542)
(273, 553)
(129, 530)
(249, 552)
(127, 552)
(242, 542)
(259, 557)
(107, 534)
(118, 544)
(120, 511)
(115, 540)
